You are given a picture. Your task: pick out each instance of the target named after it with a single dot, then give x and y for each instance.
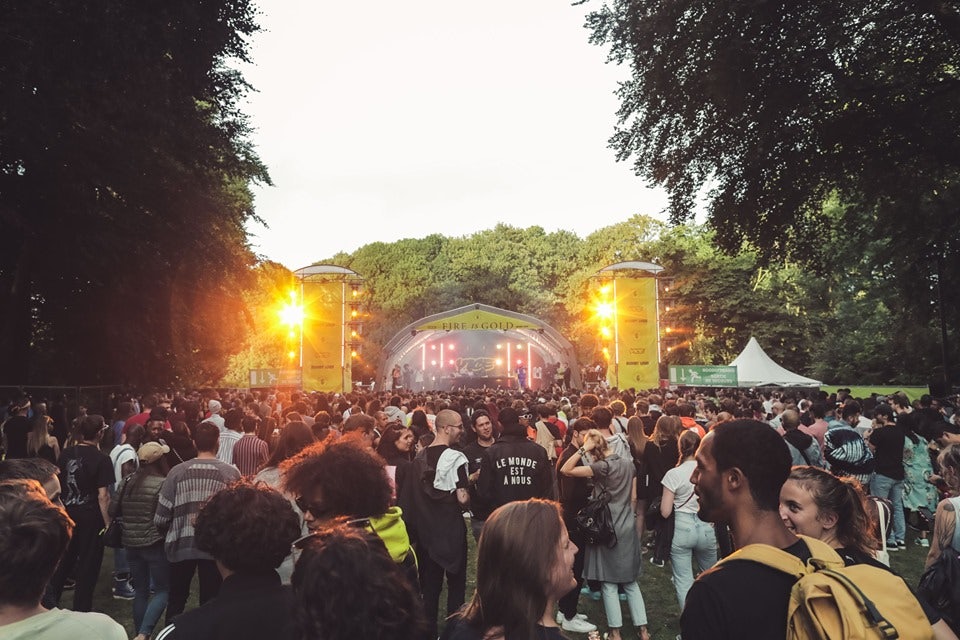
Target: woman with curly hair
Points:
(347, 479)
(248, 530)
(376, 603)
(529, 537)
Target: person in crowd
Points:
(637, 439)
(40, 440)
(574, 493)
(230, 435)
(740, 467)
(215, 408)
(123, 412)
(85, 476)
(530, 538)
(845, 450)
(43, 471)
(361, 428)
(250, 452)
(248, 530)
(659, 456)
(692, 537)
(804, 449)
(887, 444)
(833, 510)
(396, 448)
(946, 533)
(433, 509)
(618, 566)
(514, 468)
(920, 495)
(16, 428)
(377, 603)
(184, 492)
(419, 423)
(346, 479)
(34, 535)
(136, 501)
(475, 450)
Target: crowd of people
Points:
(327, 515)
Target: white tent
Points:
(756, 369)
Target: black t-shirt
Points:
(740, 599)
(478, 506)
(888, 451)
(83, 470)
(433, 457)
(16, 429)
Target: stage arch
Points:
(477, 344)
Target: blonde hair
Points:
(600, 451)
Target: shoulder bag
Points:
(595, 520)
(113, 536)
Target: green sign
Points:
(274, 378)
(696, 375)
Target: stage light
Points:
(519, 346)
(499, 361)
(291, 314)
(292, 334)
(433, 363)
(434, 347)
(519, 361)
(605, 289)
(292, 355)
(668, 329)
(452, 360)
(605, 331)
(499, 346)
(604, 310)
(353, 314)
(450, 346)
(353, 334)
(353, 354)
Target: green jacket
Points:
(140, 492)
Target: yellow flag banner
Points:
(323, 338)
(637, 338)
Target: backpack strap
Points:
(821, 556)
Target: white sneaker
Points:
(577, 626)
(578, 616)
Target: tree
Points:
(769, 109)
(770, 106)
(124, 189)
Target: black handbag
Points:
(940, 586)
(596, 522)
(113, 536)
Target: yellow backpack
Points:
(833, 601)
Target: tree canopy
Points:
(124, 187)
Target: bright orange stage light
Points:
(604, 309)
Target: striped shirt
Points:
(228, 439)
(249, 454)
(184, 492)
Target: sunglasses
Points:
(305, 505)
(322, 534)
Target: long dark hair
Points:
(523, 536)
(294, 438)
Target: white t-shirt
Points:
(58, 624)
(678, 481)
(119, 455)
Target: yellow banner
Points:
(637, 339)
(478, 319)
(326, 367)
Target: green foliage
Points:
(124, 175)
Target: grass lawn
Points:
(658, 593)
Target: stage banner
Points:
(637, 339)
(323, 338)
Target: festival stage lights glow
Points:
(291, 314)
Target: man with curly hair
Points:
(248, 530)
(348, 480)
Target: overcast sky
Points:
(382, 120)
